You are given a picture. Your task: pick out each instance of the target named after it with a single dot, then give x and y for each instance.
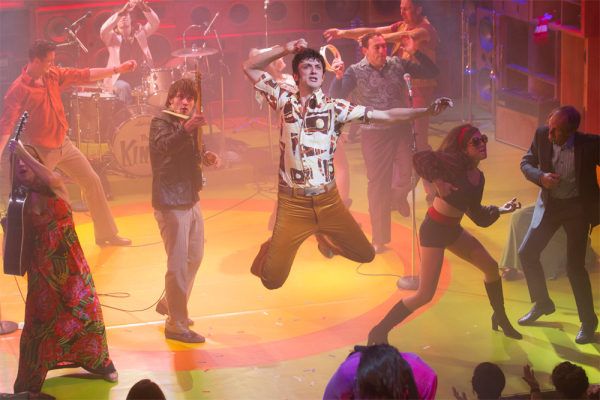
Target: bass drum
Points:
(129, 142)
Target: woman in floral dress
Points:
(64, 327)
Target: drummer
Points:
(127, 40)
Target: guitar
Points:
(15, 253)
(197, 138)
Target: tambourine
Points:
(336, 54)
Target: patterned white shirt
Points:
(308, 142)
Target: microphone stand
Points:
(223, 152)
(411, 282)
(269, 120)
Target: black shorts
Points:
(434, 234)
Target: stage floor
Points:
(287, 343)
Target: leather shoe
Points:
(536, 312)
(325, 251)
(586, 333)
(114, 241)
(261, 259)
(162, 311)
(510, 274)
(185, 337)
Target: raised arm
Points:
(344, 82)
(398, 115)
(417, 35)
(255, 66)
(153, 21)
(425, 68)
(332, 34)
(51, 179)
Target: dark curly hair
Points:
(488, 381)
(307, 54)
(185, 86)
(570, 380)
(453, 145)
(383, 374)
(40, 48)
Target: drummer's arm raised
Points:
(153, 21)
(106, 31)
(97, 74)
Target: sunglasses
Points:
(477, 141)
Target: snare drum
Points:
(90, 113)
(129, 143)
(157, 85)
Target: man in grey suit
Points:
(563, 163)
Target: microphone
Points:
(407, 79)
(210, 25)
(266, 4)
(80, 20)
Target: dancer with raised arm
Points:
(453, 170)
(309, 201)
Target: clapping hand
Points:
(529, 377)
(457, 395)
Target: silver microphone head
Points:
(406, 76)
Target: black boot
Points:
(379, 333)
(494, 292)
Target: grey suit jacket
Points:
(537, 161)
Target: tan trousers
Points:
(72, 162)
(182, 232)
(299, 217)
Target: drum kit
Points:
(97, 115)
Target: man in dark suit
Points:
(563, 162)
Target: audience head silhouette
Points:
(383, 374)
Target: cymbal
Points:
(192, 52)
(99, 86)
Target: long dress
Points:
(64, 327)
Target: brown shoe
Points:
(185, 337)
(163, 311)
(114, 241)
(260, 259)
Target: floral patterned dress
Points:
(64, 327)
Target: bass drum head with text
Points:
(130, 144)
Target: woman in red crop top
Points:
(453, 170)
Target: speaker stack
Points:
(484, 55)
(322, 15)
(384, 12)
